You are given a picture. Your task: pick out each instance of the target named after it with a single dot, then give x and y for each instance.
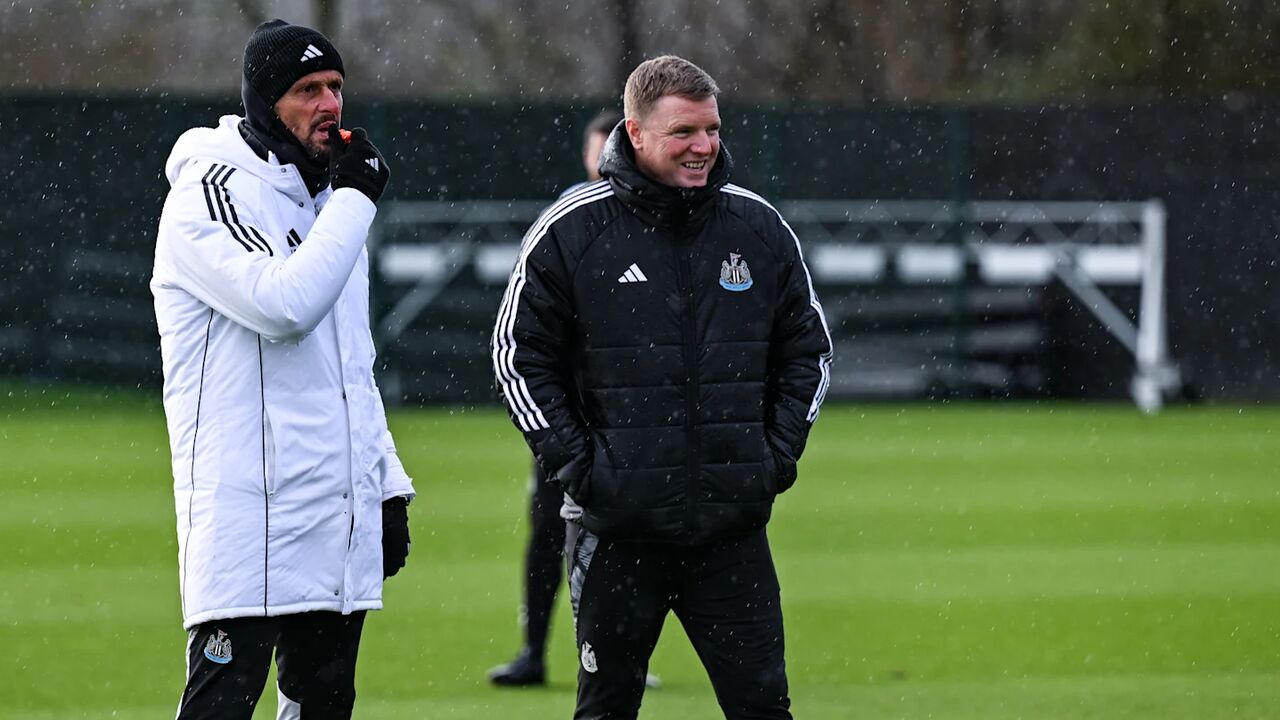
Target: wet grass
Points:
(965, 562)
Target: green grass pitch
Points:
(976, 562)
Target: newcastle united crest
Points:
(734, 275)
(218, 649)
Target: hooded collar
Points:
(225, 144)
(265, 133)
(658, 204)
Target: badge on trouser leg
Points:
(588, 658)
(218, 649)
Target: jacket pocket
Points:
(771, 472)
(780, 474)
(601, 479)
(575, 478)
(270, 474)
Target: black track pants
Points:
(542, 561)
(227, 663)
(725, 594)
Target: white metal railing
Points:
(1086, 245)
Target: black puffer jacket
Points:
(663, 352)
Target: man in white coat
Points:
(291, 501)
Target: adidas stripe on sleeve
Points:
(528, 416)
(217, 199)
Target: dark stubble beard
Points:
(317, 152)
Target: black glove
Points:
(395, 535)
(357, 164)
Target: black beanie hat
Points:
(278, 53)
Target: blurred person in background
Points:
(662, 350)
(546, 528)
(291, 501)
(593, 140)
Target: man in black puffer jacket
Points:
(662, 349)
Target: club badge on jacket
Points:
(734, 274)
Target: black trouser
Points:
(724, 593)
(542, 561)
(227, 663)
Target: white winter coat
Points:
(281, 454)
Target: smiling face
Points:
(309, 107)
(677, 141)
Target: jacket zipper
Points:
(689, 332)
(351, 451)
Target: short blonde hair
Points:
(658, 77)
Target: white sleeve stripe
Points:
(824, 361)
(527, 414)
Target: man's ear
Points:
(633, 132)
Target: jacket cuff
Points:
(554, 455)
(355, 201)
(407, 494)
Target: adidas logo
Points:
(633, 274)
(311, 54)
(373, 163)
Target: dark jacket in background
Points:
(664, 353)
